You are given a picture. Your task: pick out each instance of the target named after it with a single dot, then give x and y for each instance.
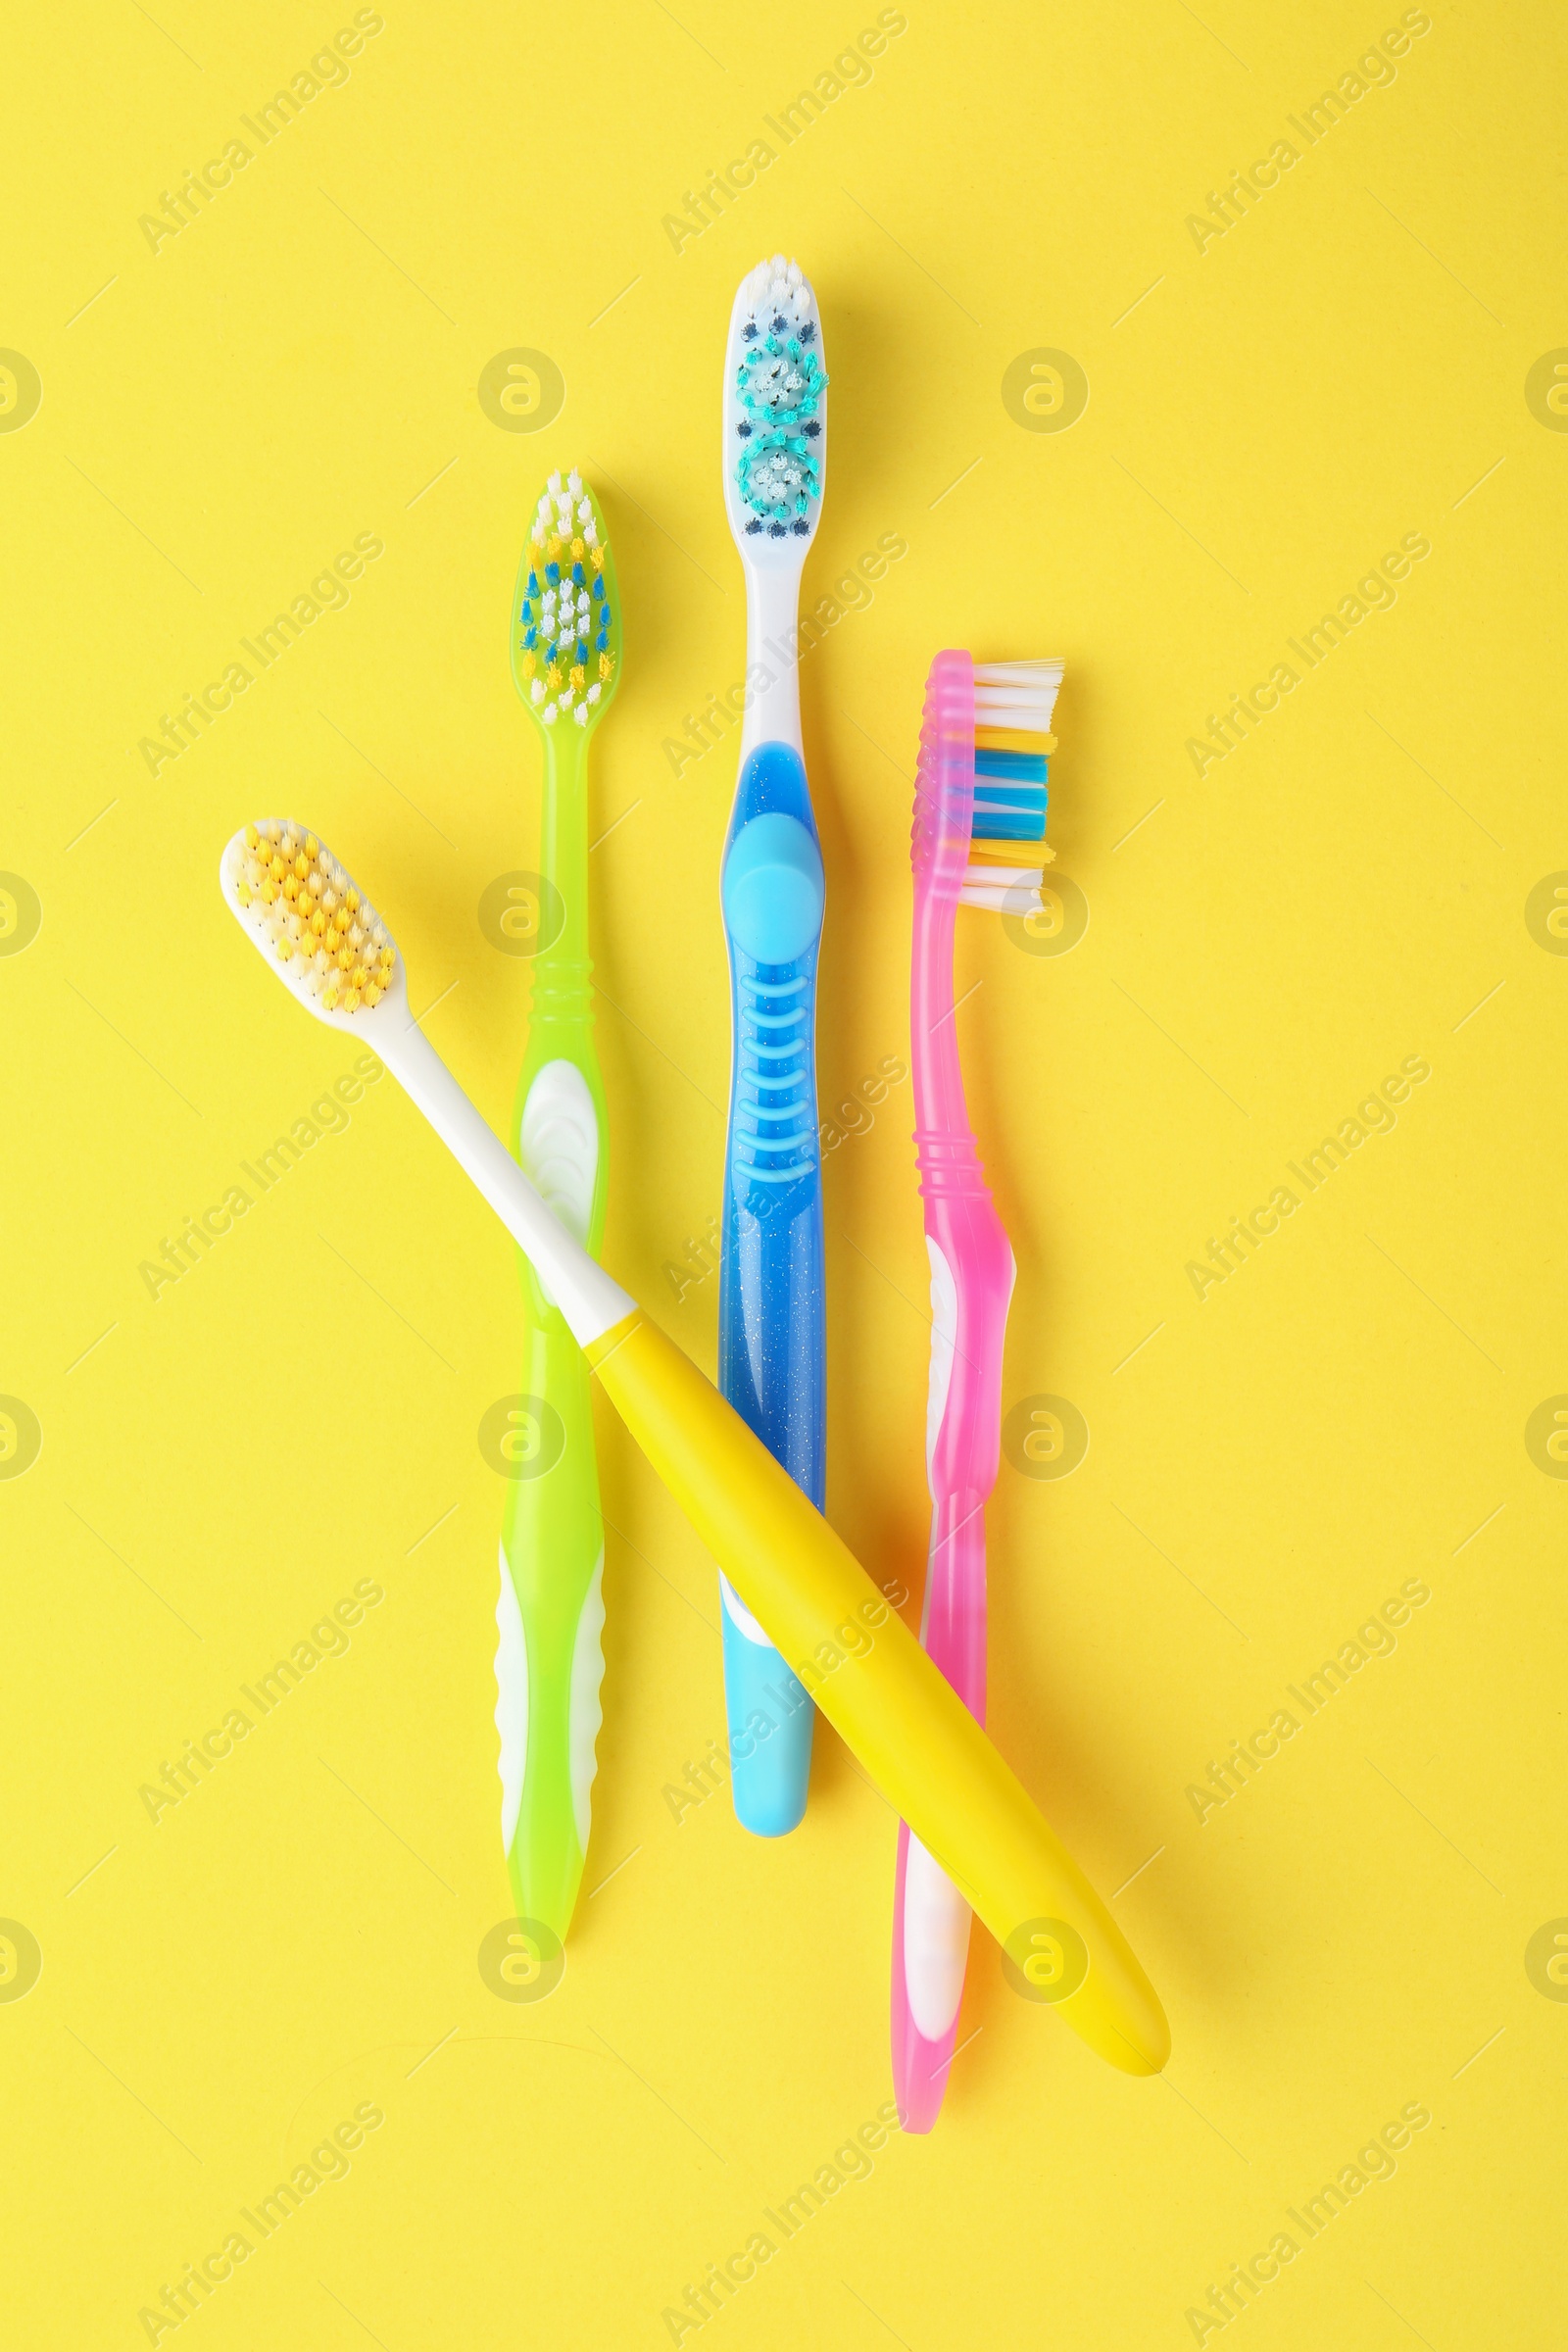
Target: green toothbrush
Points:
(566, 662)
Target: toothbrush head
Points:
(300, 909)
(775, 412)
(981, 795)
(565, 632)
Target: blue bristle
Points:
(602, 642)
(533, 583)
(1016, 824)
(577, 575)
(599, 592)
(1010, 796)
(1019, 767)
(553, 574)
(582, 648)
(526, 614)
(530, 638)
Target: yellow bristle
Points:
(579, 676)
(373, 995)
(596, 556)
(607, 662)
(253, 839)
(1011, 853)
(577, 551)
(1012, 739)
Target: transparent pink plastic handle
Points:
(973, 1270)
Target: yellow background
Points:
(1266, 417)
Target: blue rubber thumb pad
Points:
(772, 889)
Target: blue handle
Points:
(772, 1321)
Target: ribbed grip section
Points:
(944, 806)
(774, 1111)
(944, 789)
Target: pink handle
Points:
(971, 1286)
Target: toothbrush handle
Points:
(930, 1917)
(876, 1686)
(771, 1314)
(915, 1736)
(550, 1618)
(771, 1350)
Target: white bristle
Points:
(1016, 693)
(1007, 877)
(1020, 898)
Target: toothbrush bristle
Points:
(306, 913)
(779, 385)
(566, 639)
(1014, 702)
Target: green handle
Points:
(553, 1535)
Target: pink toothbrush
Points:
(980, 795)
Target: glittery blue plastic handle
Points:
(772, 1319)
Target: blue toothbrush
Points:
(772, 1325)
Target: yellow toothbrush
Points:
(865, 1670)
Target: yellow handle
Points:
(882, 1693)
